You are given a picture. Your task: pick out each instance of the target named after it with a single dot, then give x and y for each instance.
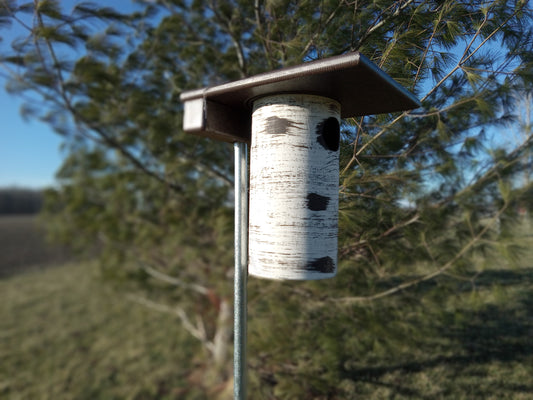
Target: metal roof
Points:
(223, 112)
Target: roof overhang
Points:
(223, 112)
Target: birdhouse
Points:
(292, 119)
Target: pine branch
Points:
(226, 23)
(447, 108)
(355, 144)
(201, 167)
(346, 250)
(475, 240)
(464, 58)
(107, 139)
(14, 16)
(466, 55)
(382, 20)
(113, 143)
(154, 273)
(260, 29)
(479, 179)
(382, 131)
(313, 37)
(426, 50)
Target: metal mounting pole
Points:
(241, 269)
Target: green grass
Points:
(23, 245)
(475, 344)
(455, 337)
(64, 335)
(470, 343)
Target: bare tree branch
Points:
(197, 332)
(173, 280)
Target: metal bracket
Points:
(218, 121)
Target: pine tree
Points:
(424, 193)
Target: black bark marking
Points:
(329, 134)
(316, 202)
(277, 125)
(323, 264)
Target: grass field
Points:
(23, 245)
(65, 334)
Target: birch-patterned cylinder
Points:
(294, 187)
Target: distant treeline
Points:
(20, 201)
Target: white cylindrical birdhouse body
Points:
(294, 186)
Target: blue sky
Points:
(29, 151)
